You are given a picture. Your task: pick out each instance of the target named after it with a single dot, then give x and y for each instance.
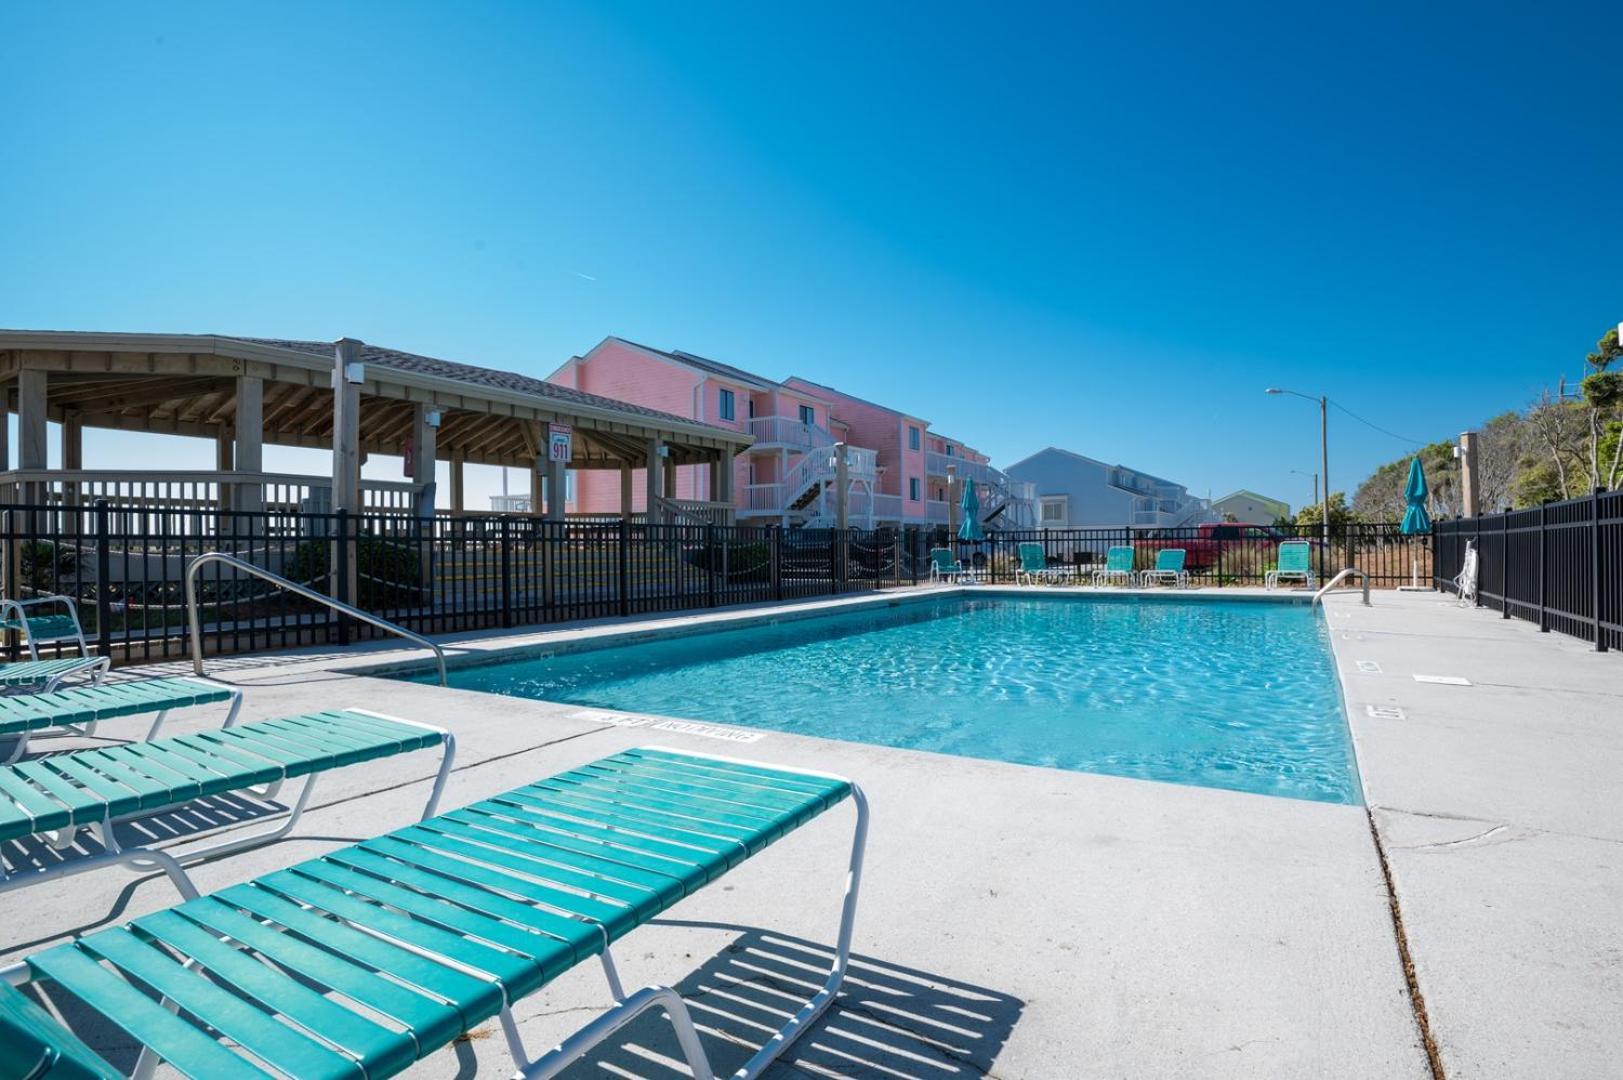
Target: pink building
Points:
(895, 469)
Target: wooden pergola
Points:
(346, 396)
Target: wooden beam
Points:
(250, 440)
(31, 398)
(346, 427)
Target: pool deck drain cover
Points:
(1369, 667)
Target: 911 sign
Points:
(559, 443)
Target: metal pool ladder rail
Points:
(293, 587)
(1337, 580)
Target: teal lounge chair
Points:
(54, 798)
(1168, 569)
(944, 565)
(47, 629)
(47, 675)
(1118, 567)
(1295, 561)
(79, 709)
(371, 957)
(1033, 565)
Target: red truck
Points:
(1229, 538)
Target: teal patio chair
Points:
(1033, 565)
(1168, 569)
(78, 709)
(364, 960)
(47, 629)
(1295, 561)
(944, 565)
(54, 798)
(1118, 567)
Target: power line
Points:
(1377, 427)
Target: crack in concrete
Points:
(1444, 844)
(1524, 831)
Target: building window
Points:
(913, 486)
(912, 438)
(728, 410)
(752, 408)
(949, 450)
(808, 415)
(1054, 511)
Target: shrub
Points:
(43, 563)
(744, 560)
(390, 574)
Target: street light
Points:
(1315, 477)
(1324, 455)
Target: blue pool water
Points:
(1228, 694)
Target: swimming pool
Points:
(1221, 693)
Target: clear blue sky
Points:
(1099, 228)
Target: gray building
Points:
(1077, 491)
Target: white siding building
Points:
(1076, 491)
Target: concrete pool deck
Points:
(1027, 922)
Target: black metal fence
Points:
(1216, 555)
(1559, 565)
(126, 568)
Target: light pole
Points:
(1315, 477)
(1324, 457)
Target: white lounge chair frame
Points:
(628, 1007)
(1465, 581)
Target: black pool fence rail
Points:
(125, 567)
(1559, 565)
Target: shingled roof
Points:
(490, 378)
(704, 363)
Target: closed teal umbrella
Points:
(1415, 519)
(971, 506)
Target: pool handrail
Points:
(293, 587)
(1333, 582)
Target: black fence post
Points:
(712, 558)
(1543, 541)
(625, 566)
(1504, 566)
(104, 570)
(341, 586)
(777, 563)
(1596, 565)
(1476, 523)
(507, 573)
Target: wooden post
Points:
(626, 485)
(425, 430)
(346, 431)
(346, 452)
(457, 459)
(1470, 490)
(31, 386)
(557, 482)
(724, 492)
(73, 460)
(248, 434)
(5, 426)
(223, 458)
(538, 475)
(656, 480)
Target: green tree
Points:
(1340, 513)
(1603, 394)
